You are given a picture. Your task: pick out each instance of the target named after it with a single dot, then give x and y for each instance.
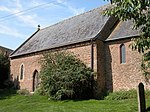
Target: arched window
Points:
(21, 72)
(122, 53)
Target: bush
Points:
(4, 69)
(8, 84)
(64, 76)
(23, 92)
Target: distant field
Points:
(18, 103)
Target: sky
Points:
(19, 19)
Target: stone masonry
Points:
(123, 75)
(95, 39)
(31, 63)
(106, 62)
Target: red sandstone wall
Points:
(101, 80)
(106, 64)
(31, 64)
(122, 76)
(84, 54)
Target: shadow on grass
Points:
(7, 93)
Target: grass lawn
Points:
(19, 103)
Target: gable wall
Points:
(31, 63)
(122, 76)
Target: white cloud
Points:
(72, 9)
(3, 8)
(18, 4)
(34, 3)
(28, 19)
(32, 20)
(11, 32)
(76, 11)
(21, 25)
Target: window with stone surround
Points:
(21, 72)
(122, 53)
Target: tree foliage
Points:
(4, 69)
(64, 76)
(139, 12)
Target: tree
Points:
(139, 12)
(4, 69)
(64, 76)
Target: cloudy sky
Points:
(19, 18)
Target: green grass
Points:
(34, 103)
(130, 94)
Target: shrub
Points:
(23, 92)
(64, 76)
(8, 84)
(4, 69)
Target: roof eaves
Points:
(113, 39)
(54, 47)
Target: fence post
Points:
(141, 98)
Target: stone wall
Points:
(122, 75)
(100, 79)
(31, 63)
(106, 63)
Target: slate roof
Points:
(123, 30)
(81, 28)
(4, 49)
(76, 29)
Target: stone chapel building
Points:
(101, 42)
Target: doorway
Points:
(35, 80)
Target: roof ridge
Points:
(60, 22)
(83, 27)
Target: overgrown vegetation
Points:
(64, 76)
(4, 70)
